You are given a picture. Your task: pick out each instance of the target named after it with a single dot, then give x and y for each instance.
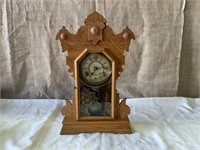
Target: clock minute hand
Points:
(97, 68)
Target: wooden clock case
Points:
(95, 37)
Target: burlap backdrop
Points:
(163, 60)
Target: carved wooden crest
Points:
(94, 33)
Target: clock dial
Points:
(95, 69)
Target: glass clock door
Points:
(95, 85)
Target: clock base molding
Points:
(117, 126)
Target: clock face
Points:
(95, 69)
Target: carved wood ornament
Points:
(95, 39)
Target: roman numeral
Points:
(90, 58)
(95, 57)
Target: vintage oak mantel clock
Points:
(95, 58)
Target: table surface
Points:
(159, 123)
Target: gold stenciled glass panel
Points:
(95, 85)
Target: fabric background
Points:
(162, 61)
(35, 125)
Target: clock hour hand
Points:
(95, 69)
